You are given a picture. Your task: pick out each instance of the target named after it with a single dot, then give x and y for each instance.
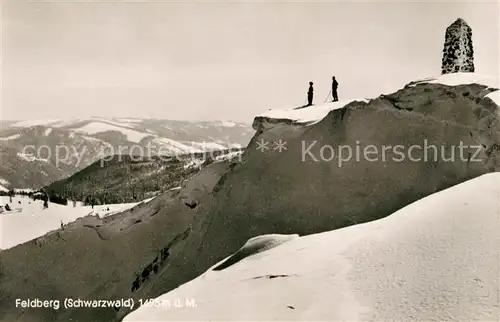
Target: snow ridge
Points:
(312, 114)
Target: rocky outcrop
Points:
(458, 52)
(294, 191)
(404, 146)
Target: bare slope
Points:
(269, 192)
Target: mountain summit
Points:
(295, 177)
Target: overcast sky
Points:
(220, 60)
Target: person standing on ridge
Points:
(334, 89)
(310, 94)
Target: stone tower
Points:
(458, 54)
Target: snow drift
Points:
(434, 260)
(254, 246)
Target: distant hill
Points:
(123, 179)
(35, 153)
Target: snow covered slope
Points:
(436, 259)
(28, 219)
(101, 127)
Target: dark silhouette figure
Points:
(7, 207)
(335, 85)
(310, 94)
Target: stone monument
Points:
(458, 53)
